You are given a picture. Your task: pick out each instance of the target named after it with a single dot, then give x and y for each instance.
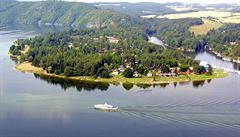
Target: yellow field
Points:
(204, 28)
(199, 14)
(232, 19)
(220, 16)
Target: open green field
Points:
(150, 80)
(205, 27)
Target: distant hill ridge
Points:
(136, 9)
(60, 13)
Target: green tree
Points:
(184, 68)
(68, 71)
(165, 69)
(210, 70)
(141, 69)
(199, 69)
(128, 73)
(103, 73)
(173, 63)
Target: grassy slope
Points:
(204, 28)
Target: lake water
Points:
(33, 106)
(157, 41)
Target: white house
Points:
(121, 68)
(115, 72)
(149, 74)
(135, 74)
(111, 39)
(204, 64)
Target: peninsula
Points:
(96, 55)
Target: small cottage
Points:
(112, 40)
(204, 64)
(115, 72)
(121, 68)
(135, 74)
(149, 74)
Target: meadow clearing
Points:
(205, 27)
(219, 16)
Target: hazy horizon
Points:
(162, 1)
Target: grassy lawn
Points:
(27, 67)
(204, 28)
(150, 80)
(216, 74)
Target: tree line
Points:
(89, 53)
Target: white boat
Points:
(105, 107)
(226, 59)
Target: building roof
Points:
(204, 63)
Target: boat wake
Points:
(225, 114)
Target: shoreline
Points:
(223, 58)
(27, 67)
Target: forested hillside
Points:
(136, 9)
(82, 15)
(60, 13)
(225, 40)
(113, 18)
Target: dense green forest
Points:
(107, 40)
(60, 13)
(89, 53)
(174, 33)
(225, 40)
(81, 15)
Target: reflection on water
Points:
(236, 66)
(79, 85)
(216, 61)
(89, 85)
(127, 86)
(197, 84)
(33, 105)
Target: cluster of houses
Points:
(225, 58)
(174, 71)
(205, 64)
(110, 39)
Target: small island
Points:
(123, 56)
